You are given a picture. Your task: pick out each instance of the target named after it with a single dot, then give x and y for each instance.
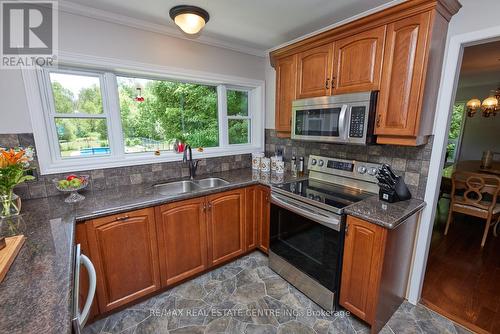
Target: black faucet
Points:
(192, 165)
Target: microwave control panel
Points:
(357, 123)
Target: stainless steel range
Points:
(308, 225)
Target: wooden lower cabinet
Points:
(182, 239)
(124, 251)
(375, 269)
(137, 253)
(257, 218)
(226, 225)
(263, 212)
(363, 254)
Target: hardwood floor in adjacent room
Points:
(462, 280)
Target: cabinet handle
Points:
(209, 206)
(378, 120)
(346, 228)
(204, 207)
(333, 82)
(122, 218)
(326, 83)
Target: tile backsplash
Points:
(410, 162)
(111, 177)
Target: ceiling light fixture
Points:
(190, 19)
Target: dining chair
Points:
(475, 194)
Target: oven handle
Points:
(332, 222)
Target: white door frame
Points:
(446, 97)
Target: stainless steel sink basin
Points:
(177, 187)
(211, 182)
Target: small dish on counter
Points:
(72, 184)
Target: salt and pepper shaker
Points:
(301, 167)
(294, 166)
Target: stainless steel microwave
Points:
(345, 118)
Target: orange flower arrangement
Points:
(11, 157)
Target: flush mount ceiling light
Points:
(190, 19)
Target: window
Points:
(98, 118)
(78, 115)
(168, 111)
(238, 117)
(455, 134)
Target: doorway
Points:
(462, 276)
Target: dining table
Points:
(473, 166)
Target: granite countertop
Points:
(388, 215)
(36, 294)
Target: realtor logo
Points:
(29, 33)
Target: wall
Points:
(110, 178)
(410, 162)
(479, 134)
(88, 36)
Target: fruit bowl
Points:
(69, 186)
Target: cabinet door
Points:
(358, 62)
(251, 218)
(226, 225)
(314, 68)
(81, 238)
(264, 208)
(361, 268)
(182, 239)
(403, 76)
(124, 251)
(286, 79)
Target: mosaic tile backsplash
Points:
(410, 162)
(111, 177)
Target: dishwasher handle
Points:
(92, 286)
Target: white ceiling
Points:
(255, 24)
(480, 65)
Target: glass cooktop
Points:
(327, 194)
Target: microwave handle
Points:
(343, 122)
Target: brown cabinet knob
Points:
(326, 83)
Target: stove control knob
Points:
(361, 169)
(313, 162)
(321, 163)
(372, 171)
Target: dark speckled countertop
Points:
(388, 215)
(36, 294)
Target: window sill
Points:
(86, 164)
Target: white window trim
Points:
(39, 105)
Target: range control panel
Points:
(359, 170)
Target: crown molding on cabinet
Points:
(98, 14)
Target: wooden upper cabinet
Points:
(226, 225)
(362, 262)
(286, 82)
(403, 78)
(358, 62)
(123, 249)
(182, 239)
(314, 69)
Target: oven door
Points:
(320, 122)
(310, 239)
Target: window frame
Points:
(249, 116)
(39, 93)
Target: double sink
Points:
(181, 187)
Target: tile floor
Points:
(245, 296)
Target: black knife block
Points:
(399, 192)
